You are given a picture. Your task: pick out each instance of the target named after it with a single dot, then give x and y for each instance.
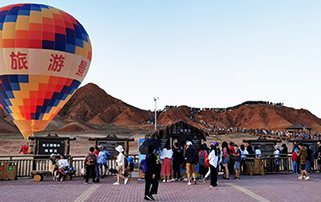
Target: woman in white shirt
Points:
(120, 165)
(257, 152)
(277, 157)
(63, 168)
(213, 160)
(166, 157)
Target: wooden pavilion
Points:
(180, 132)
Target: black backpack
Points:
(194, 155)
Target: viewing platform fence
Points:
(28, 163)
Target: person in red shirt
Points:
(96, 151)
(24, 149)
(232, 161)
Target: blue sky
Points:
(203, 53)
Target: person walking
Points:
(177, 161)
(90, 164)
(213, 159)
(120, 165)
(151, 179)
(166, 157)
(191, 158)
(226, 160)
(303, 156)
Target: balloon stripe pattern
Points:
(45, 54)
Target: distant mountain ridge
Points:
(91, 107)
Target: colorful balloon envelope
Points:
(45, 54)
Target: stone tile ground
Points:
(249, 188)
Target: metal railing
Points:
(28, 163)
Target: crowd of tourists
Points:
(166, 164)
(303, 158)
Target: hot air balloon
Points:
(45, 54)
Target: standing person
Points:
(96, 152)
(191, 159)
(213, 159)
(90, 164)
(276, 158)
(319, 156)
(151, 179)
(102, 161)
(303, 155)
(53, 166)
(249, 149)
(308, 159)
(166, 157)
(237, 164)
(203, 160)
(120, 165)
(294, 162)
(177, 161)
(219, 161)
(226, 160)
(244, 153)
(257, 152)
(232, 160)
(284, 154)
(296, 150)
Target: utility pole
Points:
(155, 100)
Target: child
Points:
(294, 162)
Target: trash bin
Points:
(11, 173)
(8, 171)
(2, 171)
(254, 167)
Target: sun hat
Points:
(189, 143)
(119, 148)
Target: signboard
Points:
(110, 145)
(163, 143)
(51, 146)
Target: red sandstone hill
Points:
(263, 116)
(93, 105)
(90, 108)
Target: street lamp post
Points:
(155, 100)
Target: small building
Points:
(180, 132)
(265, 145)
(296, 128)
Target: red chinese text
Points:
(19, 60)
(81, 68)
(56, 63)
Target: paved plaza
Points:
(249, 188)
